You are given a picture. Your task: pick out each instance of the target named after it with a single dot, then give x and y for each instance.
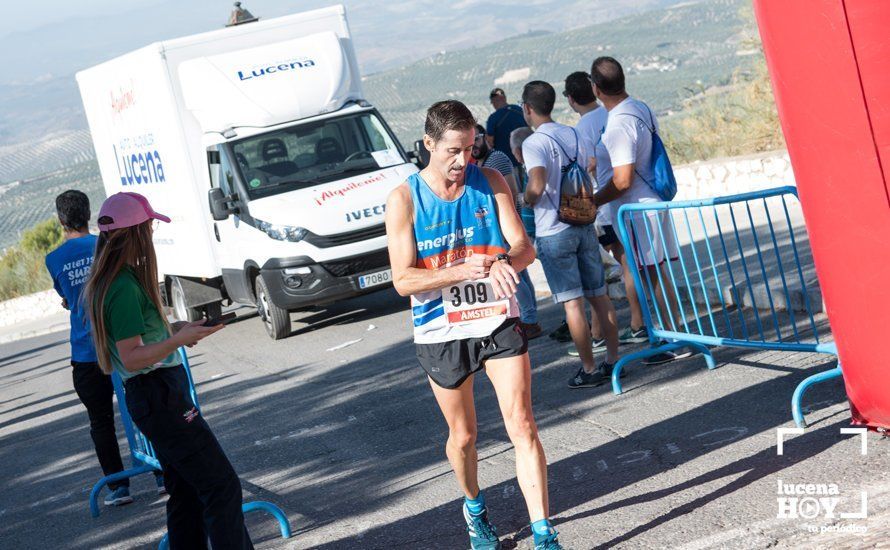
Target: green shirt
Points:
(130, 312)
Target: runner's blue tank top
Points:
(446, 233)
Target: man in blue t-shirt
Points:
(502, 122)
(69, 266)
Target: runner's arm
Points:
(408, 279)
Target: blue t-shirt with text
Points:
(69, 266)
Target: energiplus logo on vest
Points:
(276, 68)
(461, 236)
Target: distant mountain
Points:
(667, 54)
(39, 95)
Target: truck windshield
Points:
(313, 153)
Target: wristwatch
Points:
(504, 257)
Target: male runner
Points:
(456, 245)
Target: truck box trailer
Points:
(258, 143)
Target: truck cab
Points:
(258, 143)
(298, 211)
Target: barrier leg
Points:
(125, 474)
(247, 507)
(796, 410)
(276, 512)
(616, 370)
(706, 352)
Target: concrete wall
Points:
(729, 176)
(27, 308)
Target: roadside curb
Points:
(35, 327)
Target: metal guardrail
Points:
(724, 279)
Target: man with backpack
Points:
(565, 236)
(640, 172)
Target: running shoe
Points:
(596, 346)
(660, 358)
(550, 542)
(668, 356)
(562, 334)
(119, 497)
(631, 336)
(584, 379)
(483, 535)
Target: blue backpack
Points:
(664, 185)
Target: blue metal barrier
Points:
(144, 459)
(723, 280)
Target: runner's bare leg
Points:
(459, 409)
(511, 378)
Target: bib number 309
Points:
(474, 302)
(469, 294)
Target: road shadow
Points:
(341, 442)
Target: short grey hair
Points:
(519, 135)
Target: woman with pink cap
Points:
(134, 339)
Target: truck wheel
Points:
(276, 320)
(177, 299)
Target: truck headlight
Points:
(281, 232)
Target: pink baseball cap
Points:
(126, 210)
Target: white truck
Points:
(257, 142)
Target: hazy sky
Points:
(24, 15)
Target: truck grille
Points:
(328, 241)
(358, 264)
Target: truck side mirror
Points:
(221, 206)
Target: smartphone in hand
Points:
(225, 318)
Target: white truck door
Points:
(226, 235)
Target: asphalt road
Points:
(348, 440)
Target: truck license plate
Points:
(374, 279)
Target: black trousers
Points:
(95, 392)
(205, 493)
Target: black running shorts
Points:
(450, 363)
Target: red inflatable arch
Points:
(829, 61)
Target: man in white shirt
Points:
(579, 93)
(625, 150)
(569, 254)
